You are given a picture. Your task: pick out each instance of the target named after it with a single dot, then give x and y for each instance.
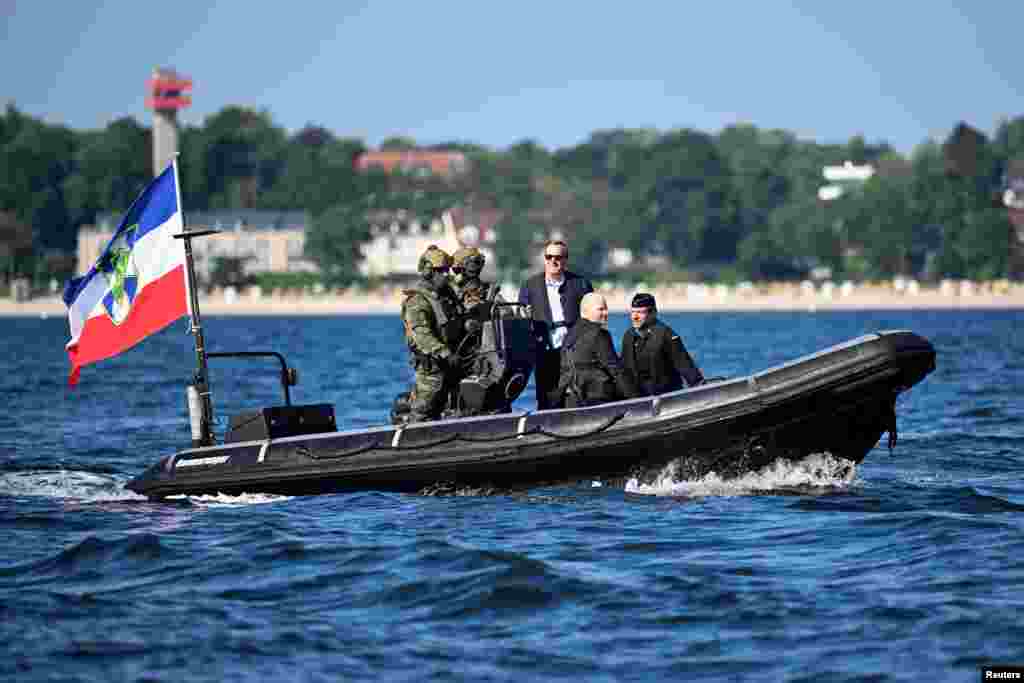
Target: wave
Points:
(91, 487)
(816, 471)
(74, 485)
(224, 500)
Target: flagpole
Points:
(201, 380)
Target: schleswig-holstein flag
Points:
(137, 286)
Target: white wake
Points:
(68, 485)
(819, 470)
(87, 487)
(224, 500)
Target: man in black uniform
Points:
(591, 371)
(653, 353)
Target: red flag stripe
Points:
(157, 305)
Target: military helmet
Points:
(469, 259)
(433, 257)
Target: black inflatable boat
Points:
(840, 400)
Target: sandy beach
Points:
(778, 297)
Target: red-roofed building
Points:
(414, 161)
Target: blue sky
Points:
(496, 73)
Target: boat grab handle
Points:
(597, 430)
(377, 445)
(533, 430)
(373, 445)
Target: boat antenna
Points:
(201, 415)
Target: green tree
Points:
(111, 169)
(799, 235)
(229, 271)
(15, 247)
(515, 247)
(500, 180)
(686, 200)
(317, 172)
(532, 155)
(35, 161)
(984, 245)
(235, 157)
(1008, 141)
(398, 142)
(972, 239)
(882, 225)
(755, 159)
(612, 155)
(333, 241)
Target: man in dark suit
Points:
(555, 296)
(653, 353)
(592, 372)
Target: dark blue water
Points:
(912, 569)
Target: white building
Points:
(398, 238)
(269, 241)
(841, 178)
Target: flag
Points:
(138, 285)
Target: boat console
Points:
(499, 361)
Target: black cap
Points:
(643, 301)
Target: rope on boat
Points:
(343, 454)
(429, 444)
(457, 436)
(611, 421)
(490, 439)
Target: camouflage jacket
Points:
(426, 314)
(472, 293)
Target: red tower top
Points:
(167, 89)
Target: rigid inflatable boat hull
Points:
(840, 400)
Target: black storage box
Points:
(278, 421)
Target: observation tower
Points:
(167, 92)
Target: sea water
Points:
(909, 566)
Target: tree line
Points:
(740, 203)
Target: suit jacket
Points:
(657, 360)
(535, 293)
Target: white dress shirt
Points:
(557, 313)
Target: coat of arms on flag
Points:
(138, 285)
(117, 265)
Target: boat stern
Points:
(151, 479)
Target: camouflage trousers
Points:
(428, 396)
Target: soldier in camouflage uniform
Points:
(430, 313)
(467, 264)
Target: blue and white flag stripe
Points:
(157, 204)
(138, 285)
